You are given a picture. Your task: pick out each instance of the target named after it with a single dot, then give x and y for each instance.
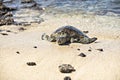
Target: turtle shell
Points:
(69, 31)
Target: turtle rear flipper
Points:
(92, 39)
(87, 40)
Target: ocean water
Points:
(101, 7)
(97, 7)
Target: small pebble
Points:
(78, 49)
(5, 34)
(67, 78)
(18, 52)
(31, 63)
(8, 31)
(90, 50)
(85, 31)
(82, 55)
(100, 50)
(35, 46)
(21, 29)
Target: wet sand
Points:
(97, 65)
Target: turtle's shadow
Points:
(65, 44)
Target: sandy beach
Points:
(97, 65)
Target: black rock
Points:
(78, 49)
(100, 50)
(89, 50)
(5, 34)
(82, 55)
(67, 78)
(31, 63)
(66, 68)
(21, 29)
(8, 30)
(35, 46)
(18, 52)
(86, 32)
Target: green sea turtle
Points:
(68, 34)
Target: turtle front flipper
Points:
(74, 40)
(63, 40)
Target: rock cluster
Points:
(66, 68)
(6, 17)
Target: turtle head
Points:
(48, 38)
(44, 36)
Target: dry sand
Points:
(48, 56)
